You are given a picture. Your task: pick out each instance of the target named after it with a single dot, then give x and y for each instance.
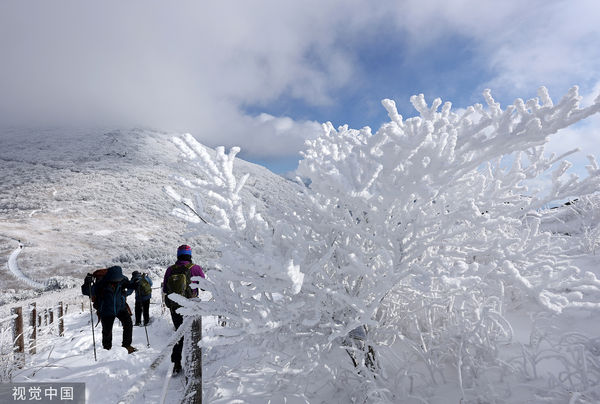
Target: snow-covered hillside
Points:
(79, 200)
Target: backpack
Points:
(145, 287)
(179, 282)
(91, 279)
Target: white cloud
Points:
(557, 47)
(191, 67)
(525, 44)
(195, 67)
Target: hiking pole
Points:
(92, 322)
(147, 340)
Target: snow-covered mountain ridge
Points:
(78, 200)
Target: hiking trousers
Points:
(177, 321)
(142, 307)
(107, 326)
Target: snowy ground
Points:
(227, 372)
(71, 358)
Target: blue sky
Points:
(446, 69)
(264, 75)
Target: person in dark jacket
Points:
(142, 300)
(183, 264)
(111, 295)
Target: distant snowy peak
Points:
(81, 147)
(97, 148)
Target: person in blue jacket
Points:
(143, 294)
(111, 296)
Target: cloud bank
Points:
(199, 67)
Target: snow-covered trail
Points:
(71, 359)
(13, 267)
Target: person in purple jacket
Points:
(177, 280)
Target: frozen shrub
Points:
(420, 234)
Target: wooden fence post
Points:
(196, 362)
(18, 337)
(61, 321)
(51, 314)
(33, 326)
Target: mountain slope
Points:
(84, 199)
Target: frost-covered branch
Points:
(424, 233)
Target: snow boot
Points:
(130, 349)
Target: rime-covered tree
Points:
(395, 269)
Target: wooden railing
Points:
(29, 325)
(26, 324)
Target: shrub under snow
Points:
(395, 274)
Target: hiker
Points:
(177, 280)
(143, 294)
(111, 302)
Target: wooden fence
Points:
(27, 325)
